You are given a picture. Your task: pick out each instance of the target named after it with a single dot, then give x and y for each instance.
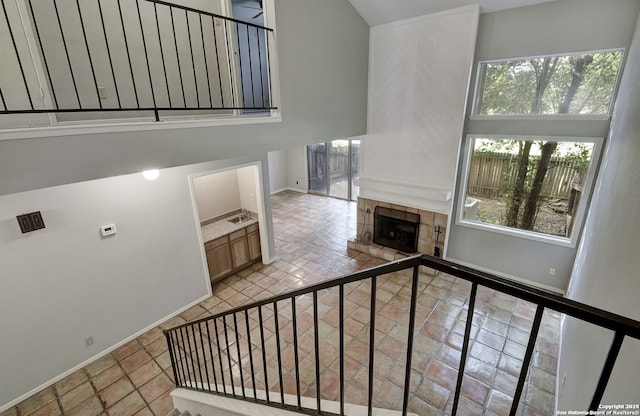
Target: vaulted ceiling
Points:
(378, 12)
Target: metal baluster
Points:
(527, 359)
(167, 336)
(226, 339)
(106, 42)
(465, 347)
(258, 31)
(612, 355)
(341, 316)
(193, 61)
(4, 103)
(86, 43)
(126, 46)
(253, 373)
(372, 338)
(215, 42)
(66, 50)
(264, 353)
(206, 64)
(229, 53)
(235, 327)
(241, 83)
(146, 55)
(295, 349)
(213, 367)
(253, 95)
(44, 56)
(187, 345)
(277, 329)
(224, 385)
(192, 350)
(164, 66)
(195, 350)
(15, 48)
(204, 357)
(180, 355)
(175, 42)
(267, 52)
(316, 346)
(412, 324)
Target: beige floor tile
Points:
(76, 396)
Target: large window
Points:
(578, 84)
(532, 187)
(536, 181)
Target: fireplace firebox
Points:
(396, 229)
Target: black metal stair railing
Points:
(242, 353)
(102, 56)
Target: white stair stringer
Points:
(212, 404)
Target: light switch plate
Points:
(107, 230)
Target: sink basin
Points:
(239, 219)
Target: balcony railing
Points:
(139, 57)
(239, 353)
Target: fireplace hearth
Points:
(396, 229)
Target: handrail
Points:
(189, 345)
(133, 56)
(191, 9)
(386, 268)
(550, 300)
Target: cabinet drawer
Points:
(237, 234)
(216, 243)
(252, 228)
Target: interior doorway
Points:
(334, 168)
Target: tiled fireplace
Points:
(428, 223)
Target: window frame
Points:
(478, 83)
(583, 204)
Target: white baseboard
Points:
(288, 188)
(510, 277)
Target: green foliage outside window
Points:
(572, 84)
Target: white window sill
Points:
(540, 117)
(514, 232)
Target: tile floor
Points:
(311, 234)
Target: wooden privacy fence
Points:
(492, 174)
(338, 161)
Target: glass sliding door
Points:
(339, 169)
(333, 166)
(355, 169)
(317, 166)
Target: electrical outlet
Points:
(88, 341)
(552, 272)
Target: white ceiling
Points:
(378, 12)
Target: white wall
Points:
(278, 170)
(418, 76)
(64, 283)
(216, 194)
(605, 274)
(247, 188)
(297, 173)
